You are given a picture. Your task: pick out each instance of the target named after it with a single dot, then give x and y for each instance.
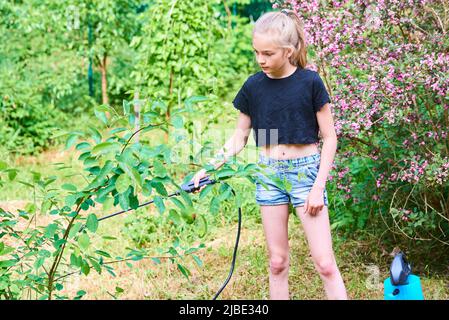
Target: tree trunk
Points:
(104, 80)
(167, 114)
(137, 114)
(228, 12)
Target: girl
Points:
(286, 104)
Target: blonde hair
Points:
(288, 31)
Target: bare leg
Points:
(275, 223)
(318, 234)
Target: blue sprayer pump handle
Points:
(399, 270)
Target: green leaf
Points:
(126, 107)
(50, 230)
(71, 199)
(159, 169)
(79, 294)
(95, 264)
(124, 200)
(225, 191)
(46, 205)
(288, 185)
(187, 216)
(174, 216)
(131, 119)
(30, 208)
(7, 263)
(159, 188)
(4, 250)
(101, 116)
(177, 121)
(85, 155)
(109, 238)
(57, 244)
(189, 102)
(84, 241)
(75, 260)
(147, 189)
(12, 174)
(105, 108)
(71, 141)
(205, 191)
(184, 271)
(103, 253)
(119, 290)
(197, 260)
(101, 176)
(26, 184)
(82, 145)
(85, 268)
(39, 262)
(69, 187)
(96, 136)
(250, 166)
(159, 204)
(105, 147)
(36, 176)
(122, 183)
(136, 176)
(201, 222)
(74, 229)
(177, 202)
(117, 130)
(92, 222)
(301, 176)
(109, 269)
(44, 253)
(186, 198)
(3, 165)
(214, 206)
(225, 173)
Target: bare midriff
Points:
(289, 151)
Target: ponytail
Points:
(299, 56)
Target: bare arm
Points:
(233, 146)
(327, 129)
(235, 143)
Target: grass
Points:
(145, 279)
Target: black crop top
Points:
(283, 110)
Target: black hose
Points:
(234, 256)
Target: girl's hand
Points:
(197, 177)
(314, 202)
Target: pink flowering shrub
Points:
(386, 67)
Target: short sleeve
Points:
(320, 95)
(241, 100)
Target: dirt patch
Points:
(48, 156)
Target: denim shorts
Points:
(285, 181)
